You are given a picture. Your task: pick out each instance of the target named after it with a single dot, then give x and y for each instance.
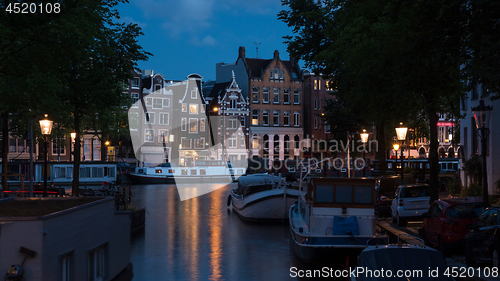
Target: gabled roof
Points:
(256, 66)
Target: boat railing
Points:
(412, 236)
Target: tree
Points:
(75, 61)
(397, 60)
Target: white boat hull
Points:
(268, 205)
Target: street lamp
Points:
(482, 116)
(396, 148)
(401, 135)
(46, 127)
(364, 139)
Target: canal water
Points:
(202, 239)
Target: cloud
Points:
(206, 41)
(128, 19)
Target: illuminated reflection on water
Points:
(201, 239)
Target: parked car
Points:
(482, 242)
(385, 189)
(445, 224)
(410, 202)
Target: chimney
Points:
(276, 54)
(241, 52)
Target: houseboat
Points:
(334, 220)
(262, 197)
(202, 171)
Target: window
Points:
(202, 125)
(233, 103)
(255, 141)
(286, 118)
(265, 117)
(315, 104)
(276, 96)
(202, 108)
(327, 127)
(184, 107)
(242, 121)
(193, 109)
(296, 141)
(255, 95)
(149, 101)
(315, 123)
(242, 140)
(135, 82)
(286, 96)
(97, 264)
(67, 266)
(193, 125)
(57, 145)
(266, 95)
(166, 102)
(157, 103)
(276, 118)
(441, 134)
(183, 124)
(185, 143)
(315, 84)
(233, 123)
(296, 96)
(200, 143)
(97, 150)
(149, 135)
(162, 136)
(193, 93)
(255, 117)
(151, 117)
(164, 118)
(296, 118)
(158, 88)
(232, 142)
(135, 97)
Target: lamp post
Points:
(401, 135)
(396, 147)
(482, 116)
(46, 127)
(364, 139)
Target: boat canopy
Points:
(412, 259)
(257, 182)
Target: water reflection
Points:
(200, 239)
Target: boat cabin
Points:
(332, 206)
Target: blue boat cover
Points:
(345, 225)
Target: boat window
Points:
(193, 172)
(343, 194)
(158, 171)
(324, 194)
(203, 172)
(171, 171)
(184, 172)
(363, 194)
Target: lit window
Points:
(255, 141)
(202, 125)
(255, 95)
(193, 109)
(149, 135)
(255, 117)
(163, 136)
(184, 107)
(200, 143)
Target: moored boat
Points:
(202, 171)
(262, 197)
(334, 221)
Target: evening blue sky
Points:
(191, 36)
